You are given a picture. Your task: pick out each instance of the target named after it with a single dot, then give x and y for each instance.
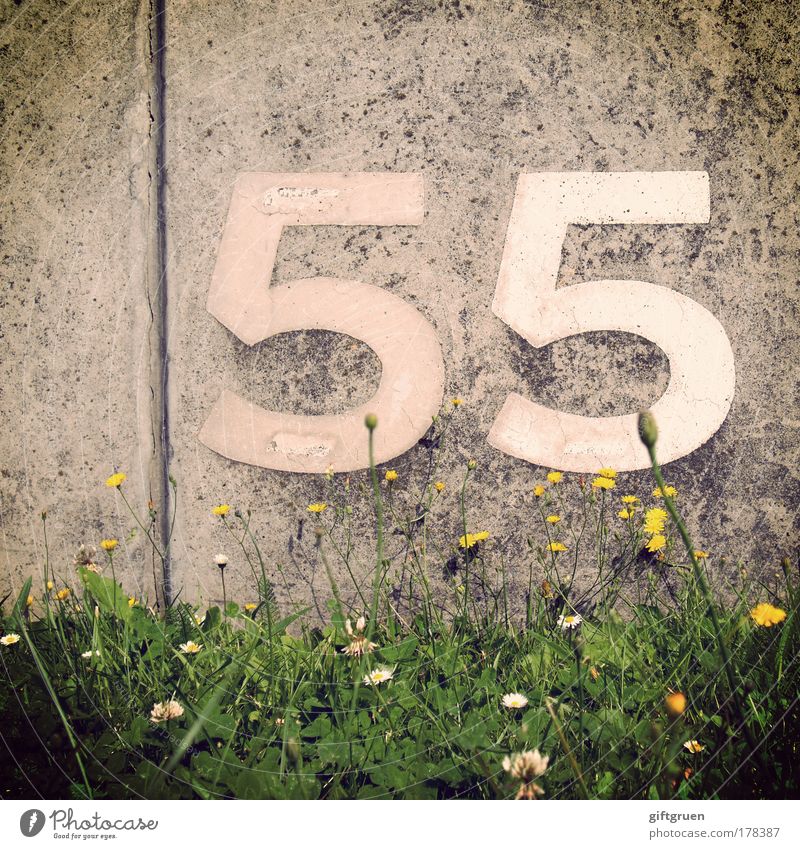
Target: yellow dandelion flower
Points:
(472, 539)
(250, 606)
(132, 601)
(538, 490)
(654, 520)
(628, 499)
(221, 510)
(766, 615)
(29, 601)
(391, 476)
(317, 508)
(694, 746)
(556, 546)
(656, 542)
(668, 490)
(675, 704)
(607, 473)
(439, 486)
(553, 520)
(116, 480)
(50, 586)
(456, 402)
(554, 477)
(604, 483)
(626, 514)
(109, 544)
(701, 555)
(63, 595)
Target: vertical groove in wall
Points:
(157, 270)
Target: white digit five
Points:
(702, 375)
(241, 298)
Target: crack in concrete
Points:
(156, 289)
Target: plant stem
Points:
(565, 745)
(700, 580)
(376, 492)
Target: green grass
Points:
(273, 708)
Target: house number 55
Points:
(702, 374)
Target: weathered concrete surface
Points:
(469, 95)
(75, 323)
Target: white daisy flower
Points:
(9, 639)
(694, 746)
(190, 647)
(378, 676)
(514, 700)
(569, 621)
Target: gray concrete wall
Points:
(76, 323)
(468, 95)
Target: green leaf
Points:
(134, 734)
(22, 599)
(109, 596)
(280, 627)
(605, 786)
(320, 727)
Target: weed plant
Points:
(636, 684)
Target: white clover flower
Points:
(164, 711)
(526, 765)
